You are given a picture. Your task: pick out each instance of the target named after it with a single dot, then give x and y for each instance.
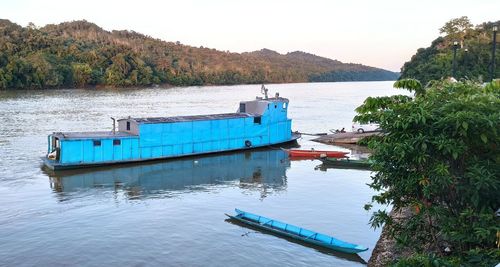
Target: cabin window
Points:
(117, 142)
(242, 107)
(284, 105)
(128, 125)
(97, 142)
(275, 106)
(257, 120)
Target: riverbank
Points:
(167, 86)
(386, 251)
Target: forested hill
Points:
(81, 54)
(473, 58)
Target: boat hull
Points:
(55, 166)
(316, 154)
(287, 230)
(346, 163)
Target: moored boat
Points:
(300, 153)
(257, 123)
(346, 163)
(296, 232)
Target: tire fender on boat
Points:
(248, 143)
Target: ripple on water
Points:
(172, 212)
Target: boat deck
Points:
(91, 135)
(344, 138)
(194, 118)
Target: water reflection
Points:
(338, 254)
(356, 151)
(261, 170)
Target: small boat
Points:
(298, 153)
(346, 163)
(296, 232)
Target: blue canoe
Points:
(296, 232)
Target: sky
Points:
(383, 33)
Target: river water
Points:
(171, 213)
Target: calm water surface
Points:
(172, 212)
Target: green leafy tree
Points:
(440, 158)
(82, 74)
(473, 56)
(456, 28)
(411, 85)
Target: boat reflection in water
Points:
(263, 170)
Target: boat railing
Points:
(270, 221)
(315, 235)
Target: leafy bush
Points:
(475, 257)
(440, 157)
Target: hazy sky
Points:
(383, 33)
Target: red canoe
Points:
(315, 153)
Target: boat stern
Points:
(51, 164)
(359, 248)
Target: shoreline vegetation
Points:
(473, 54)
(437, 165)
(80, 54)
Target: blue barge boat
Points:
(257, 123)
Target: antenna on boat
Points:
(264, 90)
(114, 125)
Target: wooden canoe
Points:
(298, 153)
(346, 163)
(296, 232)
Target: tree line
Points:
(80, 54)
(473, 59)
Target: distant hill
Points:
(473, 53)
(81, 54)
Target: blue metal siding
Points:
(98, 153)
(171, 139)
(126, 149)
(84, 150)
(156, 152)
(107, 149)
(150, 135)
(167, 151)
(88, 150)
(135, 148)
(224, 144)
(187, 148)
(177, 150)
(71, 151)
(145, 152)
(197, 148)
(117, 152)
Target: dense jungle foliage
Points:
(473, 59)
(440, 158)
(80, 54)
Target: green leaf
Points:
(484, 138)
(465, 125)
